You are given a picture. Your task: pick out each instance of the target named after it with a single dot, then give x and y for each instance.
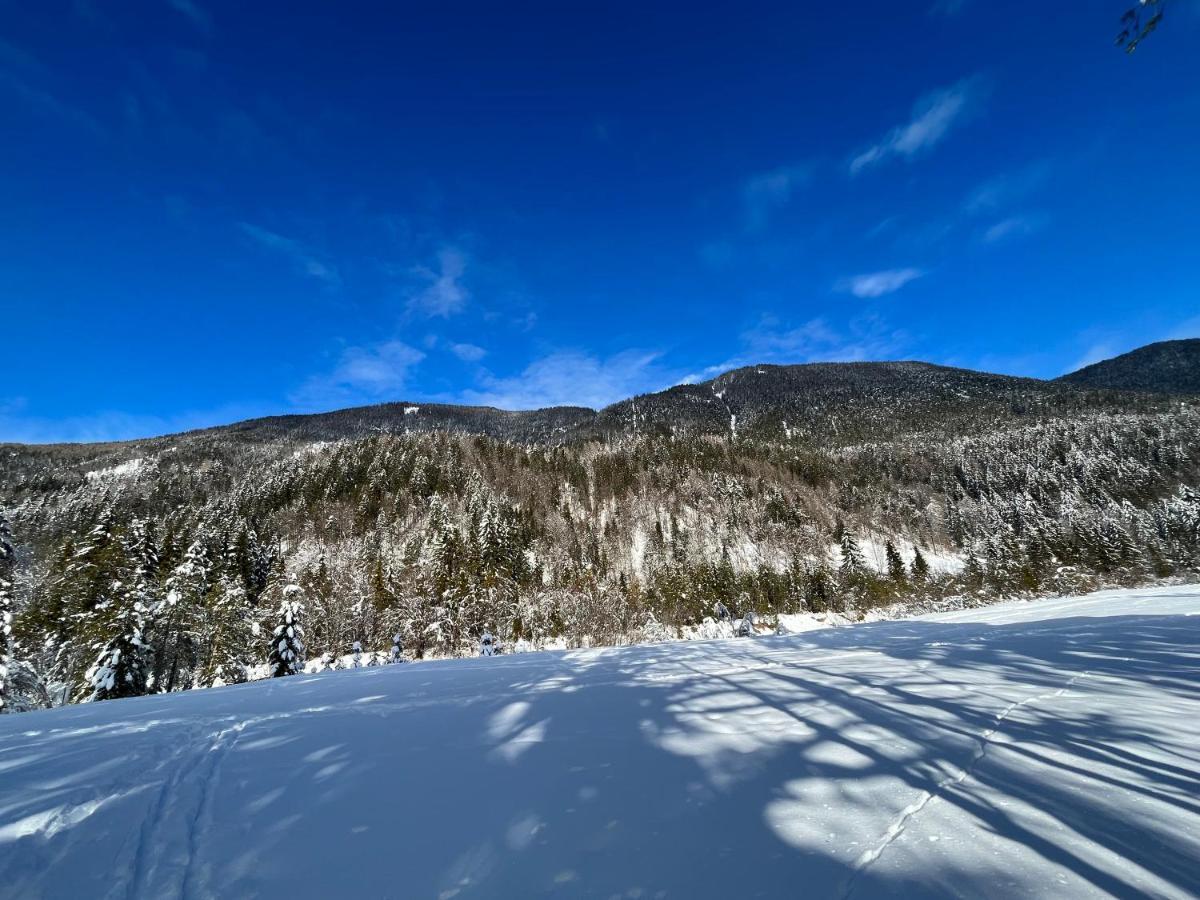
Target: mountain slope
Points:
(964, 754)
(1168, 367)
(846, 402)
(774, 489)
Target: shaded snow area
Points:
(1041, 749)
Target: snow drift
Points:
(1048, 749)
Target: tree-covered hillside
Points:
(1169, 367)
(170, 563)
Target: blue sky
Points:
(214, 210)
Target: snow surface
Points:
(1047, 749)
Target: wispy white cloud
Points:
(934, 116)
(195, 13)
(24, 77)
(862, 338)
(767, 192)
(305, 260)
(573, 378)
(1015, 227)
(468, 352)
(1007, 189)
(442, 292)
(878, 284)
(363, 374)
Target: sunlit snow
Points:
(1047, 748)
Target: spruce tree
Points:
(231, 636)
(91, 593)
(7, 567)
(920, 568)
(895, 564)
(287, 640)
(852, 559)
(120, 669)
(397, 652)
(181, 619)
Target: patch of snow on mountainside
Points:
(127, 469)
(1047, 748)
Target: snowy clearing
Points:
(1049, 748)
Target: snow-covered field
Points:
(1047, 749)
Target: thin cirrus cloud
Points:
(192, 11)
(363, 374)
(871, 285)
(934, 116)
(442, 292)
(767, 192)
(26, 78)
(1014, 227)
(769, 340)
(572, 378)
(1007, 189)
(305, 261)
(468, 352)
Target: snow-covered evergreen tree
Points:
(356, 651)
(88, 594)
(852, 558)
(745, 627)
(920, 567)
(487, 644)
(895, 564)
(121, 667)
(7, 566)
(396, 655)
(230, 633)
(180, 619)
(287, 640)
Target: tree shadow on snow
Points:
(913, 758)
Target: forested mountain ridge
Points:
(825, 397)
(773, 488)
(1164, 367)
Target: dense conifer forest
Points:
(184, 561)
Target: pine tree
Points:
(920, 568)
(91, 589)
(121, 667)
(819, 590)
(397, 652)
(852, 558)
(287, 640)
(180, 620)
(487, 644)
(231, 634)
(895, 564)
(7, 566)
(973, 572)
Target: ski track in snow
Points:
(814, 758)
